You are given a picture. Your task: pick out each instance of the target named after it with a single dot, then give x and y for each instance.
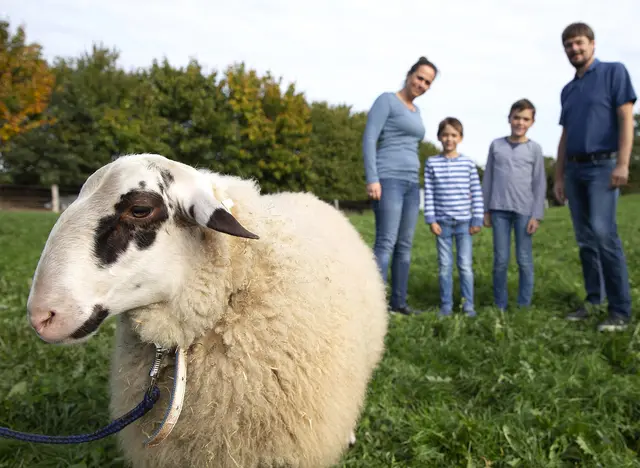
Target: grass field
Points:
(524, 388)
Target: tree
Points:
(633, 186)
(336, 152)
(242, 124)
(26, 84)
(270, 131)
(426, 150)
(99, 113)
(550, 172)
(189, 113)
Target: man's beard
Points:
(579, 64)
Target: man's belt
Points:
(589, 157)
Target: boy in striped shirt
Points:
(454, 209)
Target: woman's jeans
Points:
(503, 222)
(396, 214)
(458, 230)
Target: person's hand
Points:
(435, 228)
(374, 190)
(558, 190)
(474, 230)
(532, 226)
(619, 176)
(487, 219)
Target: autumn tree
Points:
(270, 131)
(101, 111)
(236, 122)
(190, 114)
(26, 84)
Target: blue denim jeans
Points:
(593, 204)
(503, 222)
(396, 214)
(458, 231)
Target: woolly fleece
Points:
(283, 336)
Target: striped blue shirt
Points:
(452, 190)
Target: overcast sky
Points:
(490, 52)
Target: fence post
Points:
(55, 198)
(336, 204)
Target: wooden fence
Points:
(56, 199)
(36, 198)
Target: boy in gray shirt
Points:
(514, 189)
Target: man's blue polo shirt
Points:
(589, 106)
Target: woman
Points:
(390, 146)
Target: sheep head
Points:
(120, 245)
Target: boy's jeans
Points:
(502, 223)
(593, 204)
(458, 230)
(396, 214)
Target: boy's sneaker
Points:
(444, 313)
(581, 313)
(613, 324)
(404, 310)
(471, 313)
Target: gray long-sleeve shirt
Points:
(514, 178)
(391, 140)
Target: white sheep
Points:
(276, 299)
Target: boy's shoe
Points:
(613, 324)
(581, 313)
(404, 310)
(444, 313)
(471, 313)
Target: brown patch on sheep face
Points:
(166, 179)
(182, 218)
(138, 216)
(98, 316)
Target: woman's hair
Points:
(455, 123)
(422, 61)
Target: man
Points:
(593, 162)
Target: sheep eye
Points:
(141, 211)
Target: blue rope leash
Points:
(150, 398)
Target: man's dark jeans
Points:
(593, 203)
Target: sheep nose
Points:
(41, 317)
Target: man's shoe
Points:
(405, 310)
(581, 313)
(613, 324)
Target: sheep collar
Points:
(176, 399)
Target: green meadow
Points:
(522, 388)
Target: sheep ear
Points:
(223, 221)
(207, 211)
(203, 201)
